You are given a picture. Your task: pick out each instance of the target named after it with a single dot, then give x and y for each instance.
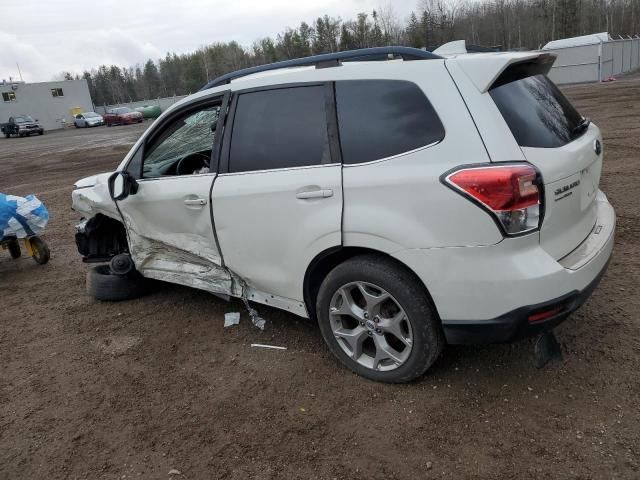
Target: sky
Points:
(52, 36)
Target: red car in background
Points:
(122, 116)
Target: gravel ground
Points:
(138, 389)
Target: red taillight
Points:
(544, 315)
(509, 192)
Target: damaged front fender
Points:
(91, 196)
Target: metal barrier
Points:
(596, 62)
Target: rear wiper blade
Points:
(582, 126)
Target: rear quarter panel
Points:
(399, 202)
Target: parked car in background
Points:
(150, 111)
(88, 119)
(122, 116)
(403, 205)
(22, 125)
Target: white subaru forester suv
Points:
(402, 204)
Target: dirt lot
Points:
(136, 389)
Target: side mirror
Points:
(121, 185)
(37, 120)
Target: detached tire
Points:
(105, 286)
(377, 319)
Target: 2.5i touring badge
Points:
(565, 190)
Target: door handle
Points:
(323, 193)
(195, 201)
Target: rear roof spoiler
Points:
(485, 68)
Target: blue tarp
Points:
(21, 216)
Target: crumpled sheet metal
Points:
(161, 261)
(91, 197)
(22, 217)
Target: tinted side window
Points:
(279, 129)
(537, 112)
(381, 118)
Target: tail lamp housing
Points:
(511, 193)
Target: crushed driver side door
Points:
(169, 220)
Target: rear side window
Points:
(382, 118)
(280, 128)
(537, 112)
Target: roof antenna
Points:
(20, 72)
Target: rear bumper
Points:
(488, 294)
(515, 324)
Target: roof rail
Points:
(328, 60)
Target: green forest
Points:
(507, 24)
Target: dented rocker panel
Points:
(198, 268)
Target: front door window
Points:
(184, 146)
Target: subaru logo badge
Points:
(597, 147)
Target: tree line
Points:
(504, 24)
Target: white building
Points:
(54, 104)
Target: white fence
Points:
(163, 103)
(594, 63)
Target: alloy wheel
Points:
(370, 326)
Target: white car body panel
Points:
(478, 283)
(91, 196)
(569, 215)
(399, 202)
(499, 142)
(170, 233)
(268, 236)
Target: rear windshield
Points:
(537, 112)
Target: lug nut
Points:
(362, 324)
(366, 315)
(376, 319)
(369, 333)
(378, 331)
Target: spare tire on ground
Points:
(106, 286)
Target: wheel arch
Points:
(330, 258)
(101, 238)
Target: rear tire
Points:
(406, 338)
(105, 286)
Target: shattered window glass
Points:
(184, 147)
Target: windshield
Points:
(23, 119)
(90, 115)
(121, 110)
